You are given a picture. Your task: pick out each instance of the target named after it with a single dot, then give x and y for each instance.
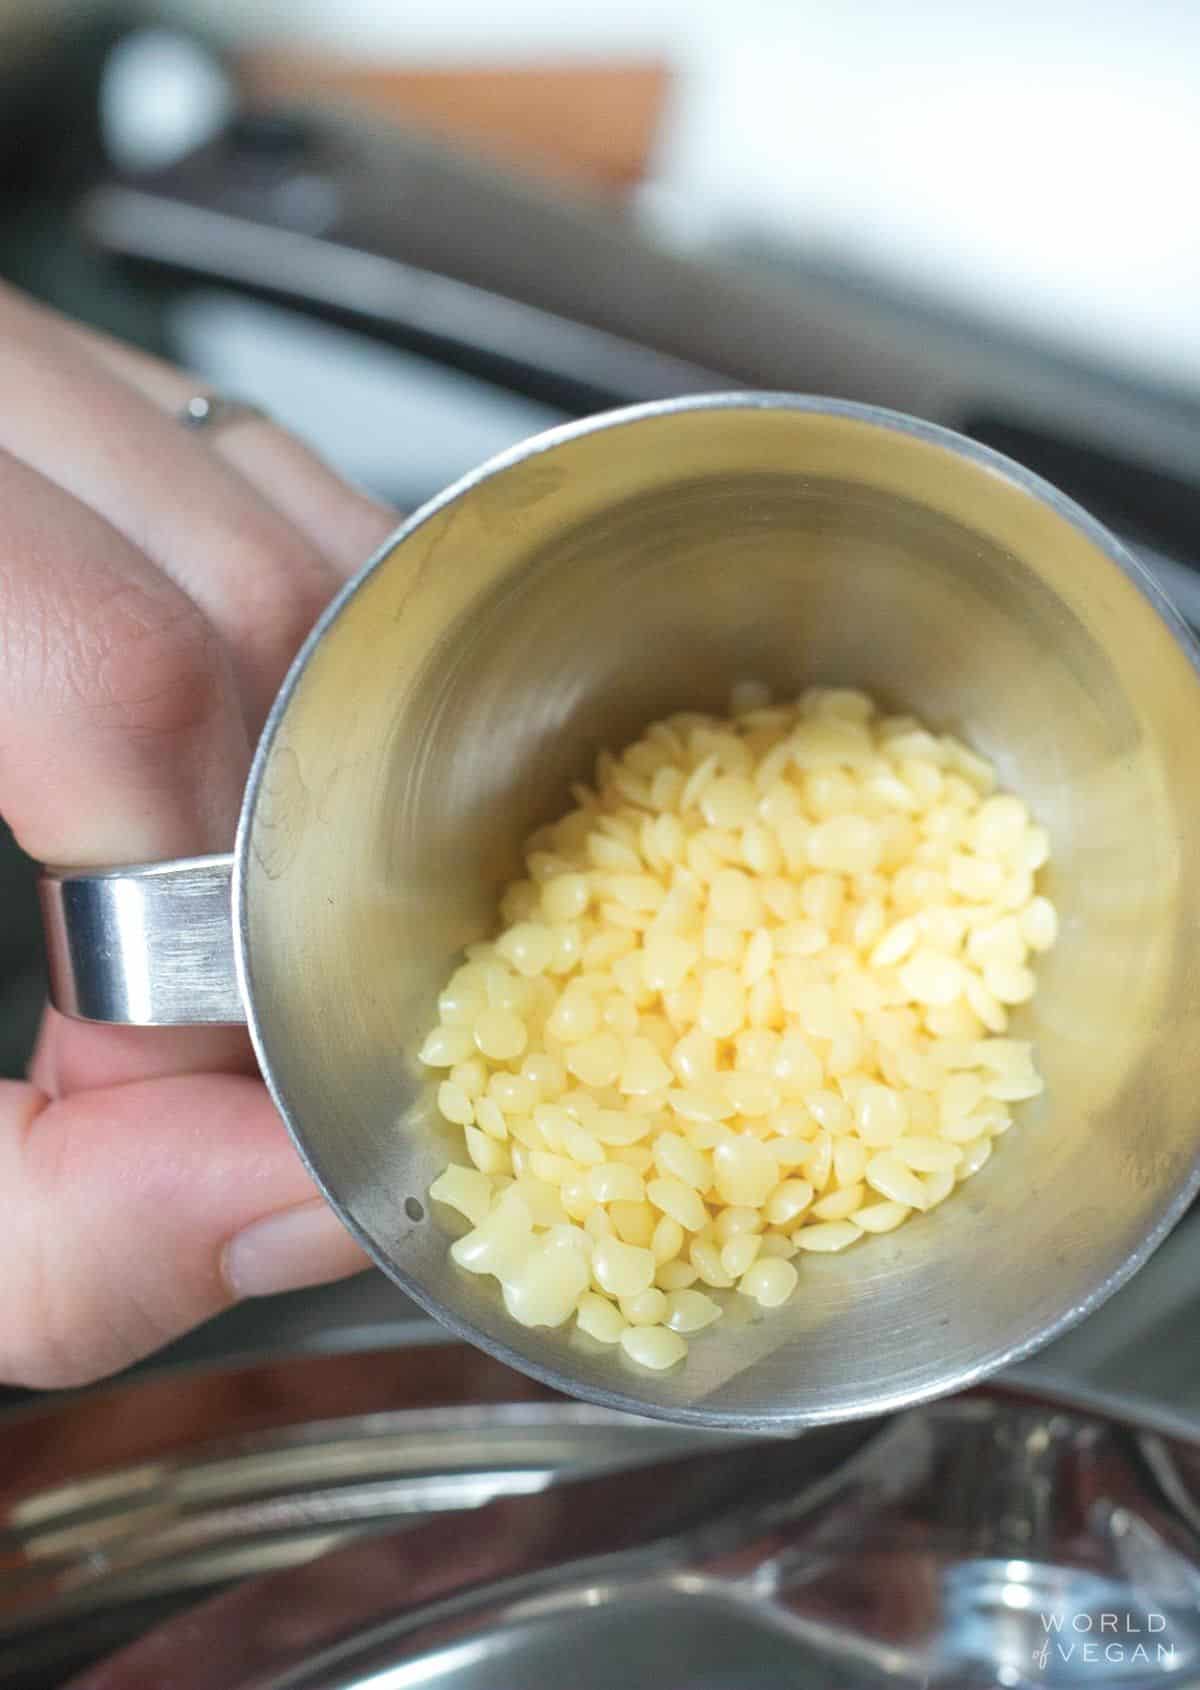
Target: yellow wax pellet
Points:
(648, 1308)
(545, 1291)
(1008, 983)
(895, 944)
(881, 1115)
(463, 998)
(891, 1178)
(528, 946)
(633, 1223)
(1000, 826)
(979, 878)
(580, 1145)
(455, 1105)
(974, 1155)
(599, 1318)
(690, 1311)
(544, 1202)
(500, 1034)
(490, 1117)
(828, 1109)
(722, 1003)
(565, 897)
(739, 1253)
(701, 1107)
(827, 1237)
(751, 1094)
(705, 1256)
(667, 1241)
(937, 1187)
(642, 1069)
(611, 1182)
(574, 1016)
(849, 1159)
(445, 1046)
(840, 1204)
(924, 1154)
(745, 1171)
(796, 1066)
(846, 844)
(734, 899)
(819, 1012)
(622, 1269)
(694, 1058)
(666, 960)
(881, 1217)
(506, 990)
(500, 1242)
(789, 1199)
(1039, 924)
(682, 1202)
(597, 1060)
(679, 1158)
(929, 977)
(470, 1076)
(728, 801)
(653, 1347)
(464, 1189)
(734, 1220)
(770, 1282)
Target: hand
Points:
(154, 585)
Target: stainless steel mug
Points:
(554, 602)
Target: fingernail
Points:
(306, 1245)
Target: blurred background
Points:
(418, 232)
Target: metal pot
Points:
(988, 1541)
(555, 601)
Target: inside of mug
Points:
(567, 600)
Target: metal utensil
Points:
(123, 1503)
(556, 601)
(975, 1544)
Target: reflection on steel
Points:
(991, 1540)
(976, 1543)
(150, 944)
(119, 1504)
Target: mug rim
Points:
(929, 434)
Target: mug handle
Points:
(146, 945)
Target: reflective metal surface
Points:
(614, 572)
(121, 1504)
(150, 944)
(981, 1543)
(617, 570)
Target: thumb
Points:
(136, 1211)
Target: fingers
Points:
(73, 1056)
(140, 1194)
(259, 581)
(133, 1213)
(121, 736)
(346, 524)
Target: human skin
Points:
(154, 585)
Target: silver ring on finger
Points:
(207, 412)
